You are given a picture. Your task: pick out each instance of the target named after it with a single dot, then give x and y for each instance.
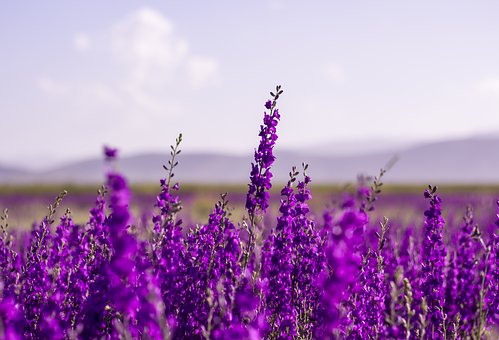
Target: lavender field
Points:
(264, 261)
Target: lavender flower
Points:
(258, 196)
(343, 260)
(35, 277)
(116, 277)
(372, 293)
(110, 153)
(461, 296)
(280, 311)
(433, 263)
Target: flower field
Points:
(292, 268)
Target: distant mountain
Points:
(9, 174)
(357, 147)
(458, 161)
(194, 167)
(469, 160)
(472, 160)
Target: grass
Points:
(199, 199)
(320, 188)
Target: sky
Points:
(75, 75)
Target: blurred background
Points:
(363, 82)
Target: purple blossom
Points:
(434, 254)
(260, 176)
(280, 311)
(115, 276)
(110, 153)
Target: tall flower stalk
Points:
(281, 313)
(433, 264)
(257, 198)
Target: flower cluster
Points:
(434, 255)
(260, 177)
(347, 275)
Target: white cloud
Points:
(490, 86)
(146, 43)
(156, 62)
(144, 67)
(81, 41)
(154, 54)
(201, 70)
(52, 87)
(334, 72)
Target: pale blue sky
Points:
(77, 74)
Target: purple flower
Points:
(260, 177)
(110, 153)
(434, 254)
(343, 261)
(275, 277)
(279, 270)
(461, 286)
(11, 320)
